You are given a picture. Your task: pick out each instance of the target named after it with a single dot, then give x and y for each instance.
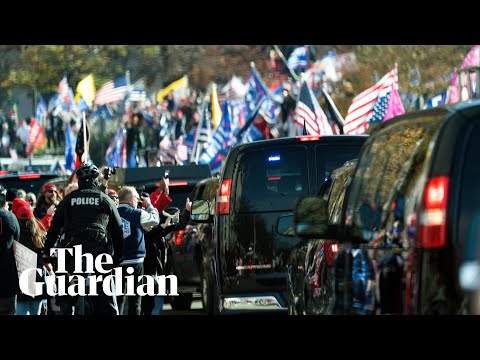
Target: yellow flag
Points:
(86, 89)
(216, 111)
(183, 82)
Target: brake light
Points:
(334, 248)
(174, 183)
(308, 138)
(223, 198)
(3, 172)
(179, 237)
(432, 230)
(29, 176)
(274, 178)
(178, 183)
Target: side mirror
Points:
(202, 211)
(285, 225)
(310, 218)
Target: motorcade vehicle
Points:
(245, 266)
(409, 229)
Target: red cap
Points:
(24, 212)
(49, 186)
(17, 203)
(111, 192)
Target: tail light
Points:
(223, 198)
(179, 237)
(432, 230)
(308, 138)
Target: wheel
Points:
(181, 302)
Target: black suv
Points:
(409, 230)
(245, 265)
(309, 268)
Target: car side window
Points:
(382, 168)
(337, 195)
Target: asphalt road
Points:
(195, 309)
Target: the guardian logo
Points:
(80, 283)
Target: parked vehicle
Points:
(309, 268)
(245, 266)
(409, 231)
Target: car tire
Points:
(181, 302)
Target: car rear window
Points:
(271, 180)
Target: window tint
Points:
(331, 157)
(470, 196)
(387, 172)
(271, 180)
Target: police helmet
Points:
(87, 171)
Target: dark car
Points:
(186, 248)
(246, 263)
(409, 233)
(309, 267)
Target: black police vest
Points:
(87, 209)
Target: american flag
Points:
(111, 91)
(370, 105)
(308, 111)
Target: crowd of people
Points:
(128, 226)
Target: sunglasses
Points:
(113, 197)
(51, 191)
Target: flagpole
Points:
(85, 152)
(277, 49)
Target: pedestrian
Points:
(86, 215)
(9, 231)
(134, 220)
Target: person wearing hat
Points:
(32, 236)
(44, 222)
(9, 231)
(48, 196)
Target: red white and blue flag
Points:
(309, 113)
(378, 103)
(112, 91)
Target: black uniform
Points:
(85, 216)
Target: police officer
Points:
(86, 216)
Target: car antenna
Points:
(305, 132)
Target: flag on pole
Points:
(179, 88)
(461, 92)
(79, 146)
(112, 91)
(216, 111)
(41, 108)
(309, 113)
(298, 59)
(86, 90)
(36, 137)
(372, 104)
